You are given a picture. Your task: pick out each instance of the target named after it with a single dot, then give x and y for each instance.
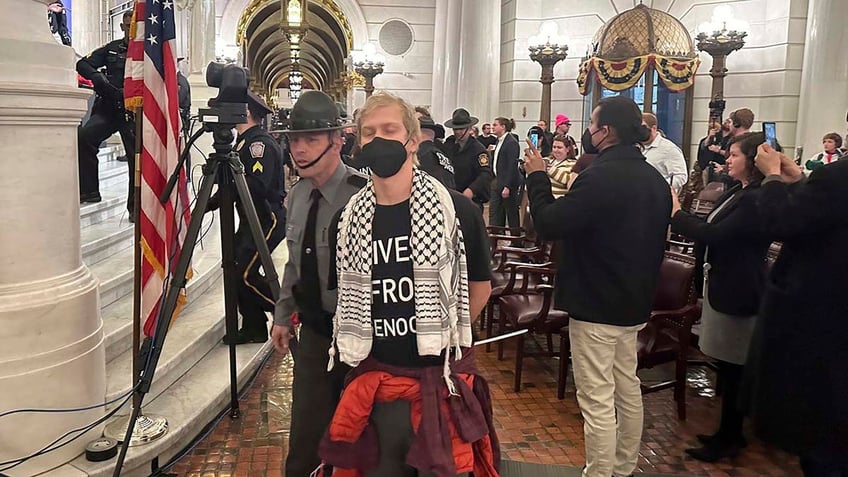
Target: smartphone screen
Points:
(534, 138)
(770, 131)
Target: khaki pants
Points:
(609, 395)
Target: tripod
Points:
(224, 167)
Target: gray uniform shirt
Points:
(334, 195)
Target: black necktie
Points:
(310, 284)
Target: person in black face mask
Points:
(409, 249)
(326, 184)
(612, 227)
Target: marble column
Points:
(201, 51)
(479, 70)
(446, 56)
(466, 58)
(86, 29)
(52, 352)
(824, 77)
(202, 34)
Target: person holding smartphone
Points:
(623, 206)
(731, 252)
(797, 364)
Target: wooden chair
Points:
(564, 360)
(707, 198)
(530, 308)
(679, 244)
(505, 257)
(668, 333)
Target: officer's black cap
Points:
(315, 111)
(427, 122)
(257, 106)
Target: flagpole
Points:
(146, 428)
(136, 316)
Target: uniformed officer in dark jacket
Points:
(58, 20)
(263, 169)
(326, 184)
(107, 115)
(184, 95)
(472, 171)
(431, 158)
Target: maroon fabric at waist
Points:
(431, 449)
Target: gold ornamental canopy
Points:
(626, 45)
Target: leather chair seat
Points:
(523, 310)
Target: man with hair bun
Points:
(505, 191)
(606, 283)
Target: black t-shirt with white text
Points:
(393, 282)
(392, 289)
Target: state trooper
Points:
(263, 170)
(315, 144)
(108, 115)
(430, 156)
(472, 171)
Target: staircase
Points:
(191, 385)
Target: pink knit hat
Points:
(561, 118)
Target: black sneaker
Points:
(91, 197)
(713, 439)
(248, 336)
(714, 452)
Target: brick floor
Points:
(533, 426)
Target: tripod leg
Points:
(228, 258)
(256, 232)
(169, 304)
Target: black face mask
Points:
(385, 157)
(586, 142)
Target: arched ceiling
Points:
(267, 52)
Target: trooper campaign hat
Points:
(461, 119)
(315, 112)
(427, 122)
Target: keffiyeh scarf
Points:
(443, 320)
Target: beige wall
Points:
(764, 76)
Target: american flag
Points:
(151, 82)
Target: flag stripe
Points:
(151, 81)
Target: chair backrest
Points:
(712, 191)
(675, 288)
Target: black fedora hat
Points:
(461, 119)
(315, 112)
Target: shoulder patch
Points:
(257, 149)
(444, 162)
(483, 159)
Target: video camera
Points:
(230, 106)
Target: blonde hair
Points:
(382, 99)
